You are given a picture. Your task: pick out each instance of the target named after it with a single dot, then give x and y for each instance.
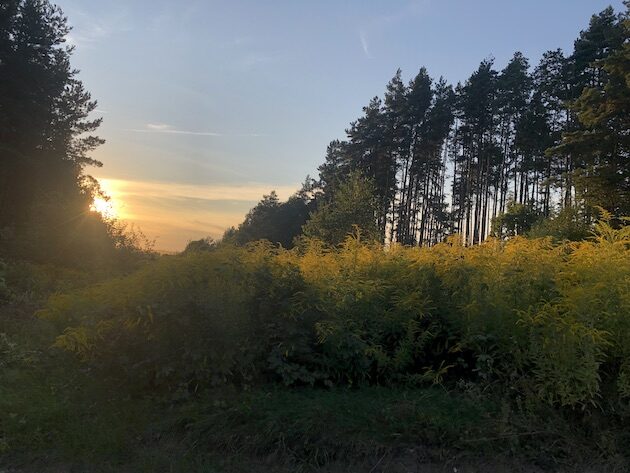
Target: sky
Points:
(208, 105)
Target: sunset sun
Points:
(104, 206)
(107, 203)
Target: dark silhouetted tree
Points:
(275, 221)
(46, 136)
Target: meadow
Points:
(317, 355)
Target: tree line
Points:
(531, 143)
(501, 150)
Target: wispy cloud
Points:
(176, 132)
(168, 129)
(174, 213)
(364, 44)
(158, 126)
(251, 191)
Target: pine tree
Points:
(552, 89)
(370, 151)
(602, 144)
(46, 135)
(336, 168)
(428, 214)
(514, 88)
(476, 152)
(593, 142)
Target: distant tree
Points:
(428, 219)
(278, 222)
(532, 137)
(516, 170)
(398, 145)
(196, 246)
(354, 204)
(258, 223)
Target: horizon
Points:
(235, 101)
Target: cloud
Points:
(247, 192)
(173, 213)
(164, 128)
(158, 126)
(168, 129)
(364, 44)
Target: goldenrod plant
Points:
(547, 321)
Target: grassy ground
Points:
(58, 417)
(369, 429)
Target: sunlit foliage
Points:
(548, 321)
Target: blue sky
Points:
(209, 104)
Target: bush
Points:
(568, 224)
(546, 321)
(518, 219)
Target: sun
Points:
(104, 206)
(107, 201)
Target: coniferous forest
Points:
(450, 293)
(508, 148)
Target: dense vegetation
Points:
(449, 289)
(323, 355)
(548, 322)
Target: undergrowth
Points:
(318, 355)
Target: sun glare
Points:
(104, 207)
(107, 206)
